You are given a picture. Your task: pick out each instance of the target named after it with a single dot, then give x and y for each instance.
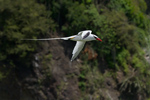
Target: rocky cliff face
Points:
(50, 75)
(53, 77)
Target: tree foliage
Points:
(19, 20)
(121, 24)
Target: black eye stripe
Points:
(87, 34)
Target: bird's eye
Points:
(95, 37)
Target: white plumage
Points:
(81, 39)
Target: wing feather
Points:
(78, 47)
(86, 35)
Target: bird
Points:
(81, 38)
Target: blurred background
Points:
(118, 68)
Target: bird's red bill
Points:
(98, 39)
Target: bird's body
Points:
(81, 39)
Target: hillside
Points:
(118, 68)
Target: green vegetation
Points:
(18, 20)
(122, 25)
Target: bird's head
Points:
(96, 37)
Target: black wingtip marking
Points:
(87, 34)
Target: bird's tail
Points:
(63, 38)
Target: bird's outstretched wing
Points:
(78, 47)
(85, 35)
